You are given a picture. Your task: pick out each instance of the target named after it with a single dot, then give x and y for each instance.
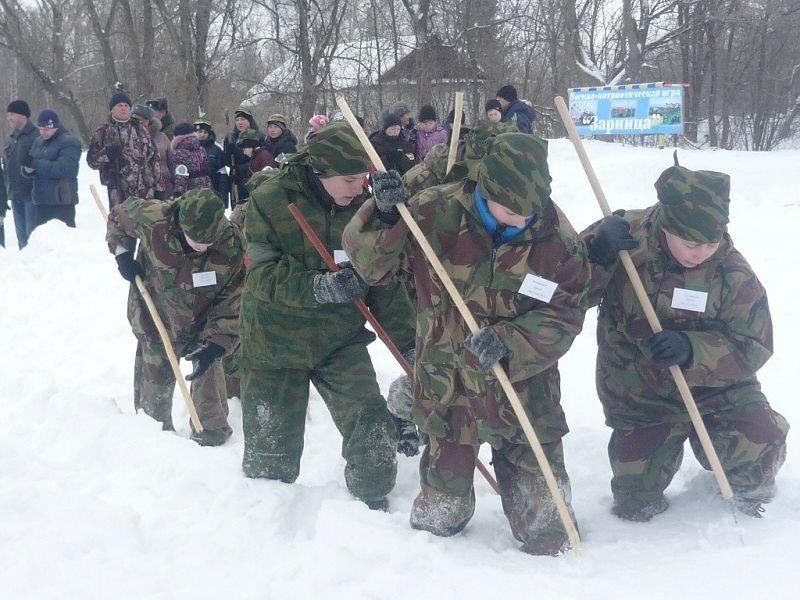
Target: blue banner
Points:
(644, 108)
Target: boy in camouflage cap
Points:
(717, 328)
(495, 234)
(191, 261)
(299, 324)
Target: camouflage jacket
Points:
(433, 169)
(730, 340)
(538, 333)
(191, 314)
(139, 171)
(282, 325)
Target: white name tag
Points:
(340, 256)
(537, 287)
(205, 278)
(689, 300)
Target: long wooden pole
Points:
(454, 133)
(362, 307)
(499, 373)
(652, 318)
(162, 332)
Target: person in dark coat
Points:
(259, 158)
(18, 145)
(395, 152)
(53, 165)
(514, 109)
(234, 158)
(161, 112)
(280, 139)
(215, 156)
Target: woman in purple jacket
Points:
(429, 132)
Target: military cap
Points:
(514, 172)
(142, 111)
(249, 138)
(277, 119)
(202, 124)
(336, 150)
(242, 111)
(201, 215)
(158, 103)
(694, 204)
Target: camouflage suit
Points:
(138, 172)
(191, 313)
(455, 402)
(288, 339)
(730, 340)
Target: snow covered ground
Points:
(97, 502)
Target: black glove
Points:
(488, 347)
(128, 267)
(389, 191)
(670, 348)
(339, 287)
(114, 151)
(205, 356)
(613, 235)
(407, 437)
(27, 161)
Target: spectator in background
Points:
(429, 132)
(191, 163)
(242, 121)
(395, 152)
(161, 110)
(53, 165)
(515, 110)
(494, 112)
(257, 157)
(166, 161)
(280, 139)
(315, 123)
(215, 157)
(18, 144)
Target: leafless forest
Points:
(740, 57)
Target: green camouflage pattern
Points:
(154, 386)
(335, 150)
(455, 401)
(274, 416)
(750, 441)
(730, 341)
(694, 203)
(277, 118)
(190, 314)
(249, 135)
(478, 142)
(201, 216)
(514, 172)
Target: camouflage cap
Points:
(248, 137)
(278, 119)
(142, 111)
(514, 172)
(694, 204)
(201, 215)
(243, 111)
(336, 150)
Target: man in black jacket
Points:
(17, 147)
(220, 181)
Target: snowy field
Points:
(97, 502)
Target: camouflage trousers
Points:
(154, 385)
(274, 404)
(750, 441)
(230, 365)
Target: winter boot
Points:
(381, 504)
(441, 513)
(640, 509)
(211, 437)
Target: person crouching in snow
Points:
(191, 260)
(717, 328)
(494, 232)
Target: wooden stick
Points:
(362, 307)
(454, 133)
(499, 373)
(652, 318)
(162, 332)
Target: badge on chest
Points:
(537, 287)
(204, 278)
(689, 300)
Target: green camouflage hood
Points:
(201, 216)
(249, 137)
(514, 172)
(476, 143)
(694, 204)
(335, 150)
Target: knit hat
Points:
(492, 104)
(427, 113)
(183, 129)
(451, 116)
(158, 104)
(514, 172)
(48, 118)
(390, 120)
(336, 150)
(119, 98)
(694, 204)
(249, 138)
(201, 216)
(507, 92)
(142, 111)
(202, 124)
(277, 119)
(399, 109)
(318, 121)
(19, 107)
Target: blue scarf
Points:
(499, 233)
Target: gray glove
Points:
(488, 347)
(401, 391)
(389, 192)
(338, 288)
(407, 437)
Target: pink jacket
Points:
(426, 141)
